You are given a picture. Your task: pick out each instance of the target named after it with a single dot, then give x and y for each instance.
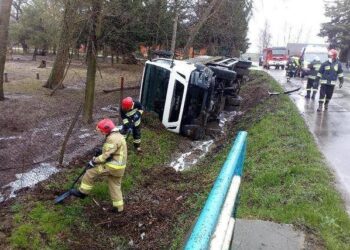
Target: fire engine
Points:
(275, 56)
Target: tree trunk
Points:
(5, 9)
(105, 53)
(215, 4)
(35, 54)
(65, 41)
(176, 19)
(91, 62)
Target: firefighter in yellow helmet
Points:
(110, 163)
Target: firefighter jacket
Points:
(132, 118)
(314, 67)
(329, 73)
(114, 151)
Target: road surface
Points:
(331, 128)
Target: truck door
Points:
(175, 102)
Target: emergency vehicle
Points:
(276, 57)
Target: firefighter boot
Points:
(117, 209)
(77, 193)
(137, 147)
(320, 106)
(326, 105)
(308, 94)
(313, 95)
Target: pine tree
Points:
(337, 30)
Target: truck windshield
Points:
(309, 57)
(154, 88)
(279, 52)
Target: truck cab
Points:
(309, 53)
(187, 95)
(276, 57)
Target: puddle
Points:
(19, 96)
(111, 108)
(10, 138)
(29, 179)
(225, 117)
(188, 159)
(84, 135)
(199, 149)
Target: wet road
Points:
(330, 128)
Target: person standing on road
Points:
(110, 163)
(312, 84)
(131, 113)
(327, 76)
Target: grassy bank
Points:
(286, 179)
(37, 223)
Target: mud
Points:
(150, 211)
(33, 124)
(152, 208)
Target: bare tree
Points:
(176, 20)
(66, 37)
(265, 36)
(94, 29)
(5, 10)
(208, 12)
(300, 33)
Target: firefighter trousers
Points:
(326, 93)
(136, 133)
(114, 177)
(311, 86)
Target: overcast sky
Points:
(288, 20)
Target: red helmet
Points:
(333, 53)
(105, 126)
(127, 103)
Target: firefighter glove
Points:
(91, 164)
(97, 151)
(124, 129)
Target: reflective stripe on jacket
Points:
(330, 72)
(114, 151)
(133, 116)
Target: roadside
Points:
(33, 124)
(162, 205)
(347, 75)
(157, 198)
(287, 180)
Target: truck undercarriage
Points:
(188, 95)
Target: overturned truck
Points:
(187, 95)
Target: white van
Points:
(309, 53)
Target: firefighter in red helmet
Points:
(131, 113)
(327, 76)
(110, 163)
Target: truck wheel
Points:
(233, 101)
(231, 108)
(282, 67)
(277, 67)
